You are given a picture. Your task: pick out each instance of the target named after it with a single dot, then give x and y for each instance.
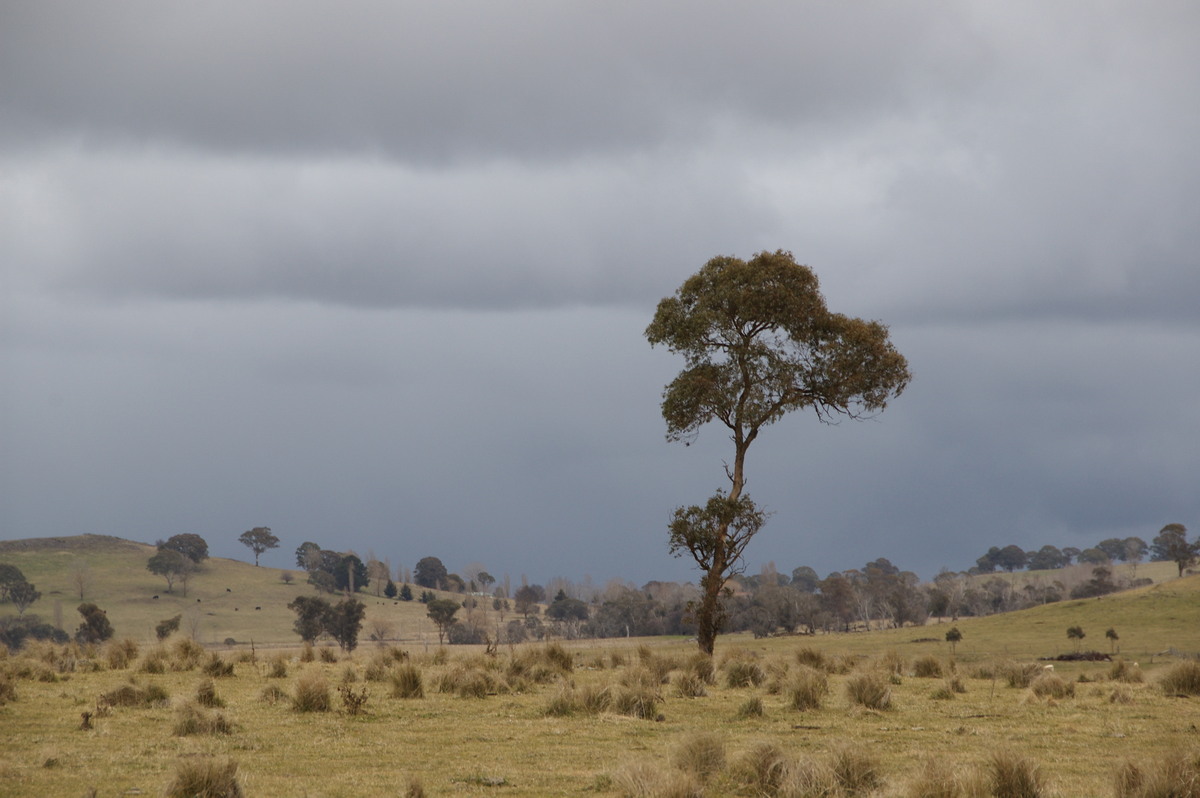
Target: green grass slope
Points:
(221, 599)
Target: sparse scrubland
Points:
(887, 713)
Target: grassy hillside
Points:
(220, 603)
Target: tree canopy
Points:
(1171, 545)
(259, 540)
(189, 544)
(430, 573)
(758, 342)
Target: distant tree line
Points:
(1170, 545)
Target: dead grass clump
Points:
(467, 682)
(130, 695)
(378, 668)
(558, 657)
(272, 694)
(892, 663)
(855, 770)
(1176, 775)
(940, 779)
(649, 780)
(762, 769)
(701, 754)
(807, 688)
(1125, 671)
(8, 690)
(927, 667)
(870, 689)
(308, 653)
(278, 668)
(701, 666)
(562, 703)
(312, 694)
(812, 658)
(1182, 679)
(407, 682)
(689, 685)
(751, 708)
(217, 667)
(595, 698)
(206, 695)
(121, 653)
(327, 655)
(743, 673)
(415, 788)
(616, 659)
(1011, 775)
(1120, 695)
(186, 654)
(636, 702)
(191, 719)
(205, 778)
(1049, 685)
(154, 661)
(1020, 675)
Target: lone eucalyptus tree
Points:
(758, 342)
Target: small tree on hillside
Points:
(441, 612)
(431, 573)
(525, 599)
(311, 612)
(343, 622)
(952, 637)
(259, 540)
(95, 627)
(22, 595)
(166, 628)
(190, 545)
(1113, 637)
(1171, 545)
(170, 565)
(1077, 634)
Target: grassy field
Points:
(624, 717)
(221, 599)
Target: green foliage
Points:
(430, 573)
(170, 564)
(190, 545)
(344, 621)
(1172, 544)
(259, 540)
(311, 612)
(441, 612)
(168, 627)
(95, 627)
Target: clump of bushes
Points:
(1182, 679)
(355, 703)
(206, 778)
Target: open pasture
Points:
(626, 718)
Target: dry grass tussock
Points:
(1013, 775)
(1050, 685)
(1182, 679)
(193, 719)
(927, 667)
(312, 693)
(1124, 671)
(205, 778)
(1175, 775)
(870, 689)
(407, 682)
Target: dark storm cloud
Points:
(384, 267)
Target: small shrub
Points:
(8, 690)
(130, 695)
(1182, 679)
(563, 703)
(407, 682)
(278, 669)
(1120, 695)
(307, 654)
(807, 688)
(192, 719)
(927, 667)
(1011, 775)
(1049, 685)
(557, 656)
(595, 698)
(377, 669)
(355, 703)
(467, 682)
(871, 690)
(205, 778)
(349, 674)
(701, 665)
(414, 789)
(153, 661)
(312, 694)
(891, 662)
(328, 655)
(701, 754)
(750, 708)
(206, 695)
(1020, 676)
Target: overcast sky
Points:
(375, 274)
